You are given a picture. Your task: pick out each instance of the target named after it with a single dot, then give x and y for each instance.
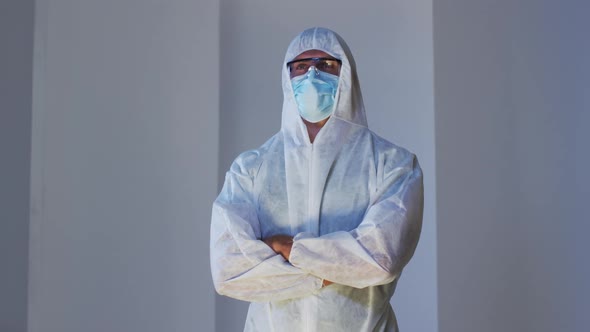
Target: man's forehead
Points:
(313, 54)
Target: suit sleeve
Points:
(243, 266)
(377, 250)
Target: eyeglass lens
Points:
(301, 66)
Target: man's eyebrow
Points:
(315, 58)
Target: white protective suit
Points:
(352, 200)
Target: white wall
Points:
(16, 79)
(511, 95)
(392, 45)
(124, 164)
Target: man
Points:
(316, 225)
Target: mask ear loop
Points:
(336, 97)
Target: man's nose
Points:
(312, 71)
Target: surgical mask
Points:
(315, 93)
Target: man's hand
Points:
(281, 244)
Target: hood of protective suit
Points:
(348, 104)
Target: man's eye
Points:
(301, 66)
(327, 65)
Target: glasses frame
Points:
(315, 59)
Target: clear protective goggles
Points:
(301, 66)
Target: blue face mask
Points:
(315, 93)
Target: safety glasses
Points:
(301, 66)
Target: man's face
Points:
(319, 59)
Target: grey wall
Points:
(392, 45)
(127, 154)
(511, 91)
(16, 79)
(124, 164)
(551, 100)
